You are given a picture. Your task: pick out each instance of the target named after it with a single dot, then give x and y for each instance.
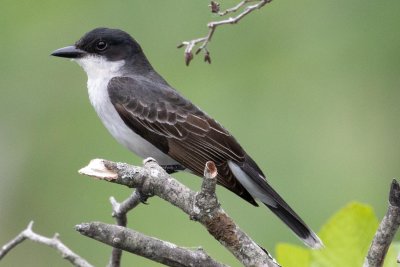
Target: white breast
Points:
(99, 73)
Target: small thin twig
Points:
(53, 242)
(386, 231)
(235, 8)
(119, 213)
(201, 206)
(212, 26)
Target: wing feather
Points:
(160, 115)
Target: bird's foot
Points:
(142, 197)
(172, 168)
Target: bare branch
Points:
(145, 246)
(202, 206)
(212, 26)
(236, 8)
(119, 213)
(53, 242)
(386, 231)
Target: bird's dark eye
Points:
(101, 46)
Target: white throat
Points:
(99, 71)
(96, 66)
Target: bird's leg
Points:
(172, 168)
(143, 197)
(168, 168)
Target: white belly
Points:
(98, 95)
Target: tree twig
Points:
(386, 231)
(201, 206)
(212, 26)
(235, 8)
(119, 213)
(53, 242)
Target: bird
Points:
(152, 119)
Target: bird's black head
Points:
(112, 52)
(113, 44)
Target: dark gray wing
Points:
(174, 125)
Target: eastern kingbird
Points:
(149, 117)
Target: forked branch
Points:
(53, 242)
(119, 213)
(201, 43)
(201, 206)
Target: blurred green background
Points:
(310, 88)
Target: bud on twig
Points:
(188, 58)
(207, 57)
(214, 7)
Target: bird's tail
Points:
(251, 177)
(294, 222)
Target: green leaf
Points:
(391, 256)
(347, 236)
(299, 257)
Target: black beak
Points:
(69, 52)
